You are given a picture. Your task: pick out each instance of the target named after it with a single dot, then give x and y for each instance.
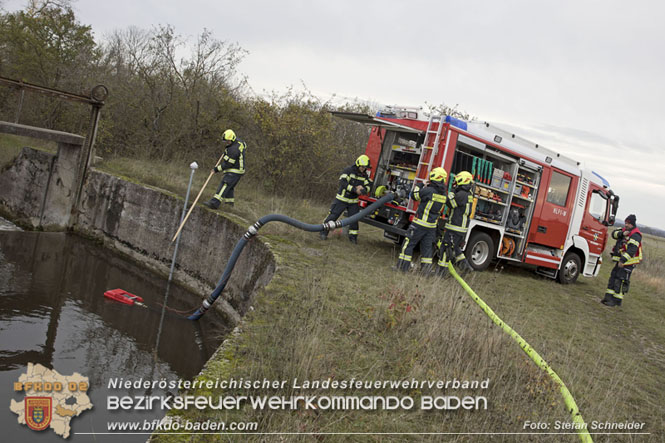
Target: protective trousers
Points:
(225, 190)
(450, 248)
(417, 235)
(336, 209)
(618, 284)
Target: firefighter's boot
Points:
(323, 235)
(403, 265)
(353, 239)
(213, 203)
(613, 301)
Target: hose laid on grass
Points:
(574, 411)
(254, 229)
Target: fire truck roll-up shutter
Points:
(374, 121)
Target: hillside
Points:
(335, 310)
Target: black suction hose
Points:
(254, 229)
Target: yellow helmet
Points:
(362, 161)
(229, 135)
(463, 178)
(438, 175)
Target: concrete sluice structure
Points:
(57, 192)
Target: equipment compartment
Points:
(397, 166)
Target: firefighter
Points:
(432, 200)
(627, 253)
(352, 183)
(233, 167)
(460, 200)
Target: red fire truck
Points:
(532, 206)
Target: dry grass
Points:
(335, 310)
(650, 271)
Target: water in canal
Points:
(53, 312)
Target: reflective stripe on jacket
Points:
(460, 201)
(617, 235)
(350, 178)
(631, 251)
(432, 200)
(233, 159)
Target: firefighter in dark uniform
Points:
(627, 253)
(352, 183)
(460, 201)
(432, 200)
(233, 167)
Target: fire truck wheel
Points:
(480, 251)
(570, 269)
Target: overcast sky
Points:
(585, 78)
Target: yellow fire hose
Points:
(574, 411)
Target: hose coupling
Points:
(199, 312)
(252, 230)
(330, 226)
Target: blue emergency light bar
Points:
(456, 122)
(605, 182)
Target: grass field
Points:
(335, 310)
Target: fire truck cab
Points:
(532, 206)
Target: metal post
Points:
(85, 158)
(194, 166)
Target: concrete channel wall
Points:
(38, 190)
(140, 221)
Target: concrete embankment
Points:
(140, 222)
(135, 220)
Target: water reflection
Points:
(53, 312)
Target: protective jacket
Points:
(350, 178)
(631, 250)
(620, 236)
(233, 159)
(459, 201)
(432, 199)
(626, 253)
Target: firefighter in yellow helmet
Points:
(432, 200)
(460, 200)
(233, 167)
(353, 182)
(627, 253)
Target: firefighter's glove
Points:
(217, 169)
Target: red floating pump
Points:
(123, 296)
